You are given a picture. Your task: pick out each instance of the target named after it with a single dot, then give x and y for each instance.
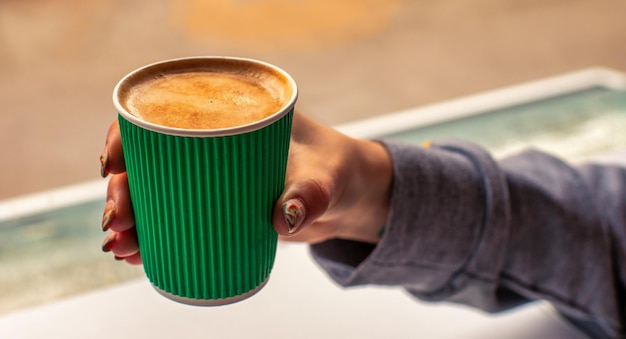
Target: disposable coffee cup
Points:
(203, 197)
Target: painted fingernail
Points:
(107, 244)
(104, 158)
(107, 217)
(293, 210)
(118, 258)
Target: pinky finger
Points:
(133, 259)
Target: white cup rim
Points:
(216, 132)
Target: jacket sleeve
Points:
(467, 229)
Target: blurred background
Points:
(352, 59)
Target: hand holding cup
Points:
(336, 187)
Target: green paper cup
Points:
(203, 198)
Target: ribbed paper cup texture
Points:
(203, 207)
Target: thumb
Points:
(300, 205)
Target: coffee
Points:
(222, 96)
(203, 194)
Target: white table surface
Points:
(298, 302)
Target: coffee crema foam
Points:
(202, 100)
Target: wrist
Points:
(371, 179)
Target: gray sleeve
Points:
(467, 229)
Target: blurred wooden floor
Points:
(59, 60)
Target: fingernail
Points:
(293, 210)
(104, 158)
(107, 244)
(118, 258)
(109, 214)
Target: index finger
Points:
(112, 158)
